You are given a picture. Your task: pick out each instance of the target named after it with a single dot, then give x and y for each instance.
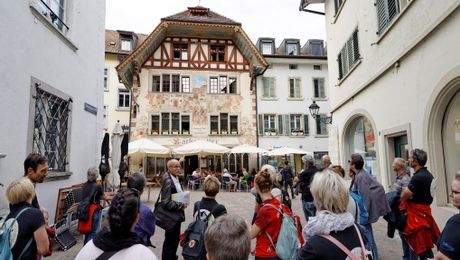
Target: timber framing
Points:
(167, 33)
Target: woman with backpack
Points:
(332, 233)
(120, 242)
(25, 224)
(267, 223)
(206, 210)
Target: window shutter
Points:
(287, 126)
(297, 88)
(272, 87)
(306, 130)
(261, 125)
(382, 15)
(280, 124)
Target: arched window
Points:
(360, 138)
(451, 140)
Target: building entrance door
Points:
(190, 164)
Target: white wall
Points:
(402, 94)
(31, 48)
(283, 105)
(111, 96)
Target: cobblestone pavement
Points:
(242, 204)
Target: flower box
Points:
(165, 132)
(185, 132)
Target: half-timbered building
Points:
(193, 78)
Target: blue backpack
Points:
(361, 212)
(5, 248)
(287, 246)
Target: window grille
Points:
(50, 128)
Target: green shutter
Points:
(261, 125)
(287, 126)
(306, 130)
(280, 125)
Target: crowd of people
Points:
(339, 217)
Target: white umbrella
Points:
(201, 147)
(146, 146)
(286, 150)
(246, 148)
(117, 137)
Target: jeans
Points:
(408, 254)
(95, 226)
(370, 238)
(309, 209)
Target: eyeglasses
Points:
(453, 192)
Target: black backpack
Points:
(195, 231)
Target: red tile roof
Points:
(112, 41)
(200, 14)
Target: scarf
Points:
(326, 222)
(108, 241)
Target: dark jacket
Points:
(167, 189)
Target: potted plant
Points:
(224, 131)
(272, 131)
(175, 131)
(234, 131)
(268, 132)
(185, 132)
(165, 131)
(214, 131)
(155, 131)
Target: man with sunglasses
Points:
(421, 231)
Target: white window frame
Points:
(297, 88)
(323, 80)
(296, 48)
(185, 84)
(269, 124)
(298, 127)
(220, 128)
(126, 44)
(271, 88)
(264, 44)
(318, 120)
(106, 78)
(123, 92)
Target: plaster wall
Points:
(33, 49)
(403, 95)
(113, 112)
(282, 104)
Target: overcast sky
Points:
(259, 18)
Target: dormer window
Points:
(267, 47)
(126, 45)
(292, 48)
(217, 53)
(180, 52)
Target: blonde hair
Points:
(211, 186)
(329, 191)
(20, 190)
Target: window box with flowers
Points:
(165, 132)
(234, 131)
(297, 132)
(155, 131)
(175, 132)
(185, 132)
(224, 131)
(214, 132)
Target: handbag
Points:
(166, 219)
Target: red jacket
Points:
(421, 230)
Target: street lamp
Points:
(314, 110)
